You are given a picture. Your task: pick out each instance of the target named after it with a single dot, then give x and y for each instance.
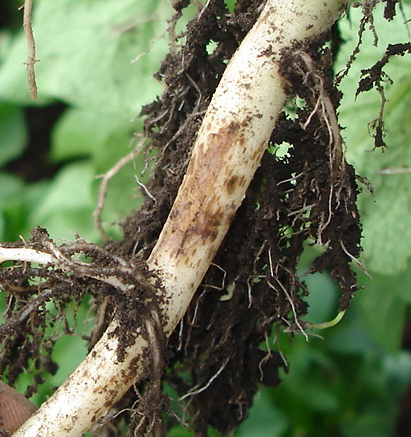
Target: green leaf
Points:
(11, 188)
(67, 207)
(83, 132)
(265, 419)
(85, 48)
(16, 213)
(383, 311)
(12, 132)
(375, 422)
(69, 190)
(12, 192)
(386, 227)
(397, 369)
(230, 4)
(2, 226)
(179, 431)
(13, 75)
(398, 285)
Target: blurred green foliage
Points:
(86, 51)
(347, 383)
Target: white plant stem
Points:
(226, 154)
(26, 255)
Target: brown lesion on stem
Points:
(202, 213)
(222, 164)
